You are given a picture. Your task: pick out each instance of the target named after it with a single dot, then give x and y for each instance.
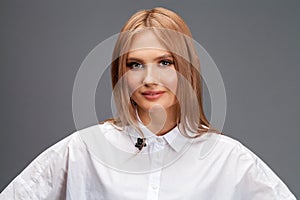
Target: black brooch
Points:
(140, 143)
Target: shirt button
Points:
(154, 187)
(159, 140)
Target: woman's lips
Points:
(152, 95)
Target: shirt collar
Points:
(174, 138)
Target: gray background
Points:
(254, 43)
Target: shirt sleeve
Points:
(260, 182)
(44, 178)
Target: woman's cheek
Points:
(133, 81)
(171, 80)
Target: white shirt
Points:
(101, 162)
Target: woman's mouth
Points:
(152, 95)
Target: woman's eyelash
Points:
(132, 64)
(167, 62)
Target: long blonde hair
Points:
(175, 35)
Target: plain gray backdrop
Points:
(254, 43)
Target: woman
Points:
(156, 147)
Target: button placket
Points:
(154, 177)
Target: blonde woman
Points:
(156, 146)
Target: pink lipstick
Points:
(152, 95)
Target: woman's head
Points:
(155, 58)
(151, 77)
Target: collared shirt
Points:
(102, 162)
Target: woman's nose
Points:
(151, 76)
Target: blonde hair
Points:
(175, 35)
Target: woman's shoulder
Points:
(213, 145)
(238, 148)
(74, 139)
(219, 142)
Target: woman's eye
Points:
(134, 65)
(166, 63)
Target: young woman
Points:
(156, 148)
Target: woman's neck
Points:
(159, 120)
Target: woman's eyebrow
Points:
(157, 58)
(164, 57)
(134, 59)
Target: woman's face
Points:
(151, 75)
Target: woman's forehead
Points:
(145, 40)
